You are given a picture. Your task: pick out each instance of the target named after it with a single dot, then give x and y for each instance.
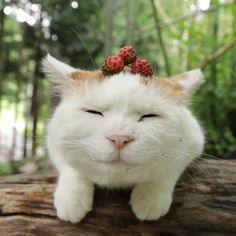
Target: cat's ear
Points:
(56, 71)
(66, 77)
(189, 81)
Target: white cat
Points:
(120, 131)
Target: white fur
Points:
(162, 147)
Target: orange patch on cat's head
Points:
(82, 75)
(169, 88)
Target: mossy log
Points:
(204, 205)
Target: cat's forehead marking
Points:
(169, 88)
(168, 83)
(81, 75)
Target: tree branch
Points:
(183, 17)
(217, 54)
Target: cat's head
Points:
(122, 119)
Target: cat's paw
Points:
(148, 203)
(72, 205)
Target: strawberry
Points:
(112, 65)
(143, 67)
(128, 54)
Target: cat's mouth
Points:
(119, 160)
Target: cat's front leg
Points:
(150, 201)
(73, 197)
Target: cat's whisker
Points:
(89, 54)
(194, 161)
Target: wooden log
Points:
(204, 205)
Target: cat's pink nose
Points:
(119, 141)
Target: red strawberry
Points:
(143, 67)
(112, 65)
(128, 54)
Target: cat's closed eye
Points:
(94, 112)
(148, 116)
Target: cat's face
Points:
(120, 121)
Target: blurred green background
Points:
(175, 35)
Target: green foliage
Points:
(6, 168)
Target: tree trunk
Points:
(25, 140)
(160, 38)
(2, 29)
(131, 21)
(18, 79)
(35, 109)
(2, 56)
(35, 99)
(203, 206)
(109, 12)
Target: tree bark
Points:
(204, 205)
